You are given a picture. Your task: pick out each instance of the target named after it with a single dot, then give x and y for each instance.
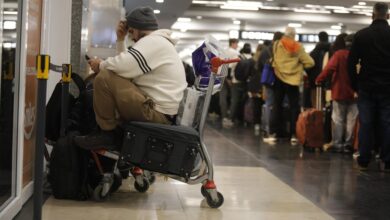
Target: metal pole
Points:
(43, 63)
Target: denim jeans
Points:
(344, 118)
(374, 116)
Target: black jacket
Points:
(318, 56)
(371, 46)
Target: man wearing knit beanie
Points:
(143, 83)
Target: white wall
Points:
(56, 36)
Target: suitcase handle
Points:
(318, 98)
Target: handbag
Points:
(268, 75)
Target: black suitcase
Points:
(161, 148)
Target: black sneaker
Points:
(362, 166)
(97, 140)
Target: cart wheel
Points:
(204, 191)
(97, 194)
(116, 183)
(215, 204)
(152, 178)
(144, 187)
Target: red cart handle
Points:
(216, 62)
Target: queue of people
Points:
(356, 67)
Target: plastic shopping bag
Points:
(201, 60)
(190, 109)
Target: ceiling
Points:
(269, 15)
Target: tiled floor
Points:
(259, 181)
(250, 193)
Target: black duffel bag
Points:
(161, 148)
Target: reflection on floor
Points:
(243, 174)
(250, 193)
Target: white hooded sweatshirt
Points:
(154, 66)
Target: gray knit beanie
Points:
(142, 18)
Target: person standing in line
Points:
(344, 111)
(231, 52)
(255, 88)
(268, 97)
(318, 54)
(290, 60)
(239, 89)
(371, 49)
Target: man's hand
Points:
(121, 30)
(95, 65)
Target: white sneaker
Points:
(294, 140)
(257, 129)
(356, 155)
(227, 123)
(271, 139)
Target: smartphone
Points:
(87, 57)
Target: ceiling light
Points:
(245, 8)
(10, 12)
(242, 5)
(160, 1)
(336, 27)
(9, 25)
(334, 7)
(311, 11)
(236, 22)
(313, 6)
(295, 25)
(184, 19)
(199, 17)
(341, 11)
(362, 3)
(156, 11)
(270, 8)
(209, 2)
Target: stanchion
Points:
(43, 65)
(66, 78)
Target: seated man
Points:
(144, 83)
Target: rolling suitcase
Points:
(309, 127)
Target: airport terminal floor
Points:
(259, 181)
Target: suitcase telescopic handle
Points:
(216, 62)
(319, 97)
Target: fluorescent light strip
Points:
(10, 12)
(334, 7)
(336, 27)
(341, 11)
(184, 19)
(160, 1)
(311, 11)
(209, 2)
(295, 25)
(229, 7)
(156, 11)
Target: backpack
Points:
(53, 108)
(244, 69)
(68, 167)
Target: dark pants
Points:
(257, 105)
(374, 116)
(282, 89)
(237, 101)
